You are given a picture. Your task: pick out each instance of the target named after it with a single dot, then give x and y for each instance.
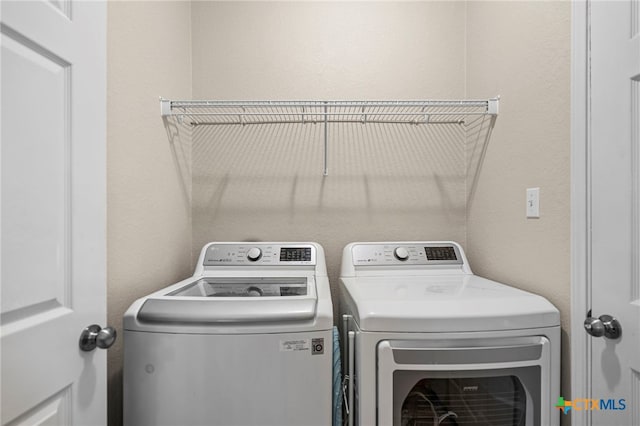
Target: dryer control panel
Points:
(259, 254)
(418, 253)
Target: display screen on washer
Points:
(440, 253)
(243, 287)
(295, 254)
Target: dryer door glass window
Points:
(501, 397)
(466, 401)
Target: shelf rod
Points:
(491, 104)
(247, 123)
(335, 114)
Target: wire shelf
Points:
(302, 112)
(325, 112)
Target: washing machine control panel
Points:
(406, 254)
(257, 254)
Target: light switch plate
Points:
(533, 203)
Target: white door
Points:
(53, 209)
(615, 207)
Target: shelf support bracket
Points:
(325, 170)
(165, 107)
(493, 106)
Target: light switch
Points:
(533, 202)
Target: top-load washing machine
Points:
(429, 343)
(248, 340)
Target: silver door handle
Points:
(94, 335)
(604, 325)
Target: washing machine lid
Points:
(234, 300)
(448, 303)
(243, 287)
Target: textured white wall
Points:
(148, 176)
(385, 182)
(522, 50)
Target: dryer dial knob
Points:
(254, 254)
(401, 253)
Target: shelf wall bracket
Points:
(493, 105)
(165, 107)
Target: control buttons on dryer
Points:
(254, 254)
(401, 253)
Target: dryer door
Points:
(469, 382)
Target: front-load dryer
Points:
(248, 340)
(430, 343)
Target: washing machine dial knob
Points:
(254, 254)
(401, 253)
